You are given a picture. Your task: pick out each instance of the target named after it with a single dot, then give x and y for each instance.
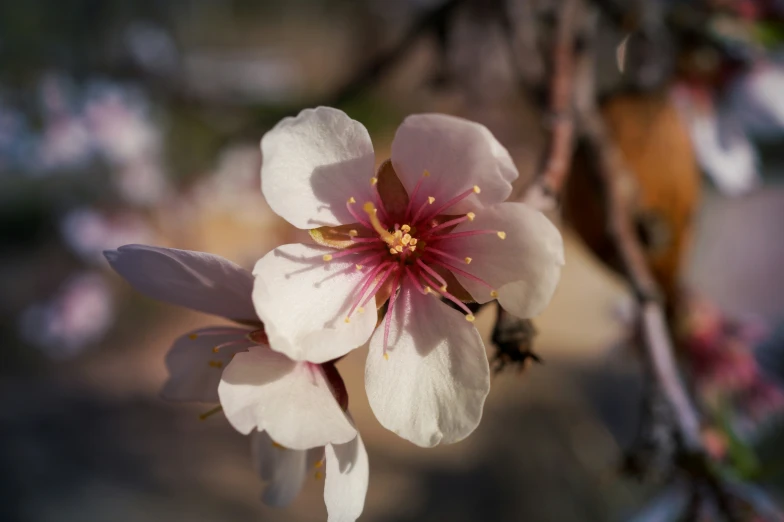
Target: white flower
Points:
(431, 224)
(301, 406)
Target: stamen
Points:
(365, 285)
(454, 200)
(458, 302)
(216, 364)
(501, 234)
(354, 213)
(413, 194)
(373, 181)
(468, 260)
(193, 337)
(469, 233)
(463, 273)
(353, 233)
(413, 279)
(379, 201)
(347, 252)
(429, 201)
(432, 273)
(451, 222)
(230, 343)
(392, 265)
(376, 224)
(406, 229)
(327, 257)
(209, 413)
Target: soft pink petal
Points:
(433, 385)
(312, 164)
(346, 482)
(264, 390)
(458, 154)
(304, 300)
(195, 280)
(524, 267)
(195, 366)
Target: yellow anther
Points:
(443, 288)
(327, 257)
(430, 199)
(216, 350)
(373, 181)
(318, 464)
(193, 337)
(468, 260)
(470, 216)
(493, 294)
(216, 364)
(279, 446)
(398, 234)
(428, 290)
(413, 241)
(353, 233)
(476, 189)
(405, 228)
(406, 239)
(386, 356)
(359, 267)
(411, 248)
(347, 320)
(318, 475)
(426, 173)
(360, 310)
(351, 200)
(470, 318)
(392, 251)
(501, 234)
(399, 248)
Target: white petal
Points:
(304, 300)
(434, 383)
(524, 267)
(195, 280)
(312, 164)
(458, 154)
(282, 469)
(346, 483)
(195, 367)
(264, 390)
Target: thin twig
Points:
(543, 194)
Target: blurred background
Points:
(138, 122)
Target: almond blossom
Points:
(430, 227)
(295, 411)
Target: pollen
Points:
(386, 356)
(406, 239)
(373, 181)
(493, 294)
(477, 190)
(392, 251)
(216, 364)
(327, 257)
(470, 216)
(428, 290)
(193, 337)
(353, 233)
(468, 260)
(406, 229)
(347, 320)
(501, 234)
(318, 464)
(399, 248)
(318, 475)
(216, 349)
(431, 199)
(360, 310)
(351, 200)
(470, 318)
(359, 267)
(413, 241)
(426, 173)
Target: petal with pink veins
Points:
(312, 164)
(432, 386)
(196, 360)
(458, 154)
(195, 280)
(524, 267)
(264, 390)
(304, 300)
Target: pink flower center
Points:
(409, 248)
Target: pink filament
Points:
(449, 203)
(361, 220)
(380, 283)
(441, 253)
(446, 294)
(431, 272)
(463, 273)
(445, 224)
(365, 285)
(244, 340)
(456, 235)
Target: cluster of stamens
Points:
(393, 252)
